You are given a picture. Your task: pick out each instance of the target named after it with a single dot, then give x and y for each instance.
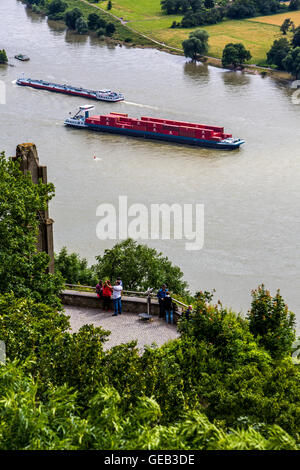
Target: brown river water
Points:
(251, 197)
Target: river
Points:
(251, 197)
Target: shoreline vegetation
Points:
(131, 31)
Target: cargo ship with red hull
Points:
(101, 95)
(181, 132)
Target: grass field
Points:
(277, 20)
(257, 34)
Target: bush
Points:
(74, 269)
(81, 26)
(72, 16)
(271, 322)
(110, 29)
(3, 57)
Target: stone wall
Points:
(90, 300)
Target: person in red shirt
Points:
(106, 294)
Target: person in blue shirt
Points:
(188, 312)
(161, 294)
(168, 307)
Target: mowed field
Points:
(257, 34)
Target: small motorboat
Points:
(22, 57)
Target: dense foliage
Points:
(74, 19)
(23, 270)
(139, 267)
(296, 38)
(291, 62)
(74, 270)
(3, 57)
(213, 388)
(204, 12)
(278, 52)
(271, 322)
(285, 54)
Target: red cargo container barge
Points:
(157, 129)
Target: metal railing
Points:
(148, 294)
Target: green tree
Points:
(209, 4)
(81, 26)
(292, 62)
(271, 322)
(294, 5)
(71, 17)
(56, 6)
(74, 269)
(235, 55)
(109, 5)
(296, 37)
(286, 25)
(3, 57)
(23, 270)
(196, 45)
(95, 22)
(110, 29)
(278, 52)
(101, 33)
(139, 267)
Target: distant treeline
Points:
(203, 12)
(74, 19)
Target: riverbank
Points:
(250, 196)
(130, 31)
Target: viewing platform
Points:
(86, 308)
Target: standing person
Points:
(117, 291)
(188, 312)
(99, 288)
(161, 297)
(168, 308)
(106, 294)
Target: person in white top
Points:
(117, 291)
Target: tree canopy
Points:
(23, 270)
(291, 62)
(72, 16)
(278, 52)
(235, 55)
(74, 269)
(296, 37)
(3, 57)
(196, 45)
(139, 267)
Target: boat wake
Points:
(141, 105)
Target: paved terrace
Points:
(124, 328)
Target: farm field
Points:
(277, 20)
(257, 34)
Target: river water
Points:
(251, 197)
